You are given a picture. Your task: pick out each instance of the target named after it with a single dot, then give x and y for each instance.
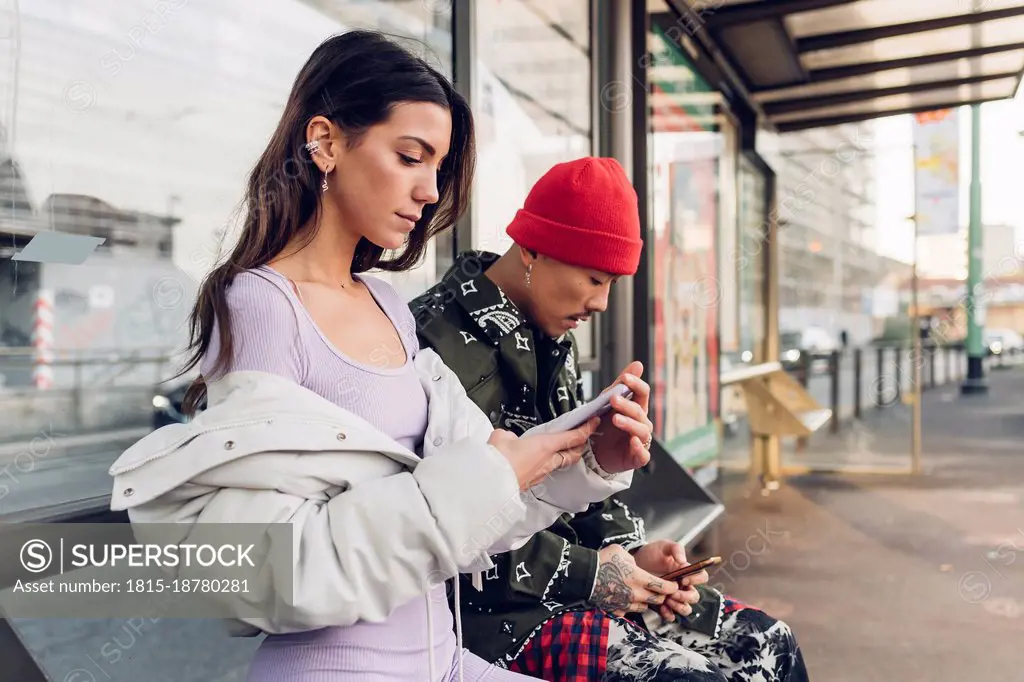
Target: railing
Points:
(92, 390)
(881, 376)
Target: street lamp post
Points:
(975, 383)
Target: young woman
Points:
(323, 412)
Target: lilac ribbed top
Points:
(272, 331)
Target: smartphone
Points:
(582, 414)
(692, 568)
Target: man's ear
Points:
(527, 256)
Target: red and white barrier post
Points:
(42, 340)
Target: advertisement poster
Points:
(937, 171)
(686, 301)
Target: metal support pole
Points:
(857, 413)
(975, 383)
(804, 376)
(834, 367)
(879, 381)
(618, 112)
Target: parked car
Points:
(1003, 342)
(813, 341)
(167, 405)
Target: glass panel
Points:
(532, 103)
(867, 14)
(687, 145)
(1004, 62)
(729, 252)
(135, 121)
(999, 32)
(994, 89)
(753, 211)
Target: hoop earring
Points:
(529, 270)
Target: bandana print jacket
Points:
(519, 377)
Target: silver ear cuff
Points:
(313, 146)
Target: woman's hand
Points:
(535, 457)
(621, 443)
(664, 556)
(623, 586)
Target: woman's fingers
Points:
(575, 438)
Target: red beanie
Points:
(583, 213)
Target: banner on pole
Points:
(937, 171)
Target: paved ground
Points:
(883, 577)
(888, 577)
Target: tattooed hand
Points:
(622, 586)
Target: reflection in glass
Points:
(138, 122)
(686, 150)
(532, 105)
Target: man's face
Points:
(561, 296)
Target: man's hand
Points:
(664, 556)
(622, 440)
(622, 586)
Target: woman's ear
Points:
(323, 142)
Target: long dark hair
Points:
(354, 79)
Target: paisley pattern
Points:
(637, 656)
(751, 647)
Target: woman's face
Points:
(561, 296)
(380, 186)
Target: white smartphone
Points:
(579, 416)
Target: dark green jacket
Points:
(519, 377)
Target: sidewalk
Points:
(897, 577)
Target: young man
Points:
(555, 607)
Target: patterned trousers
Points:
(751, 647)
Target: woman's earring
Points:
(529, 270)
(323, 185)
(313, 146)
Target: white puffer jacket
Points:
(267, 450)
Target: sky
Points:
(1002, 163)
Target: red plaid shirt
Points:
(571, 647)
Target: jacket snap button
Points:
(228, 445)
(493, 415)
(128, 492)
(341, 436)
(437, 378)
(438, 441)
